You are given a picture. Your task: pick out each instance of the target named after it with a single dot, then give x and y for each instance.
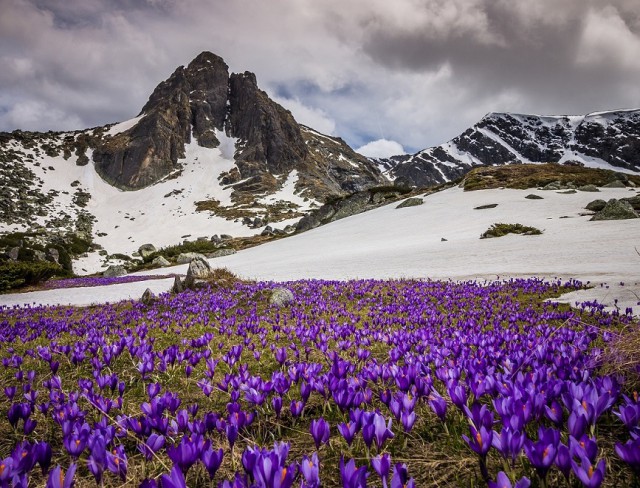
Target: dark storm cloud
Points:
(412, 71)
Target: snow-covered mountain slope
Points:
(210, 153)
(408, 243)
(609, 140)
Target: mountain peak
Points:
(207, 58)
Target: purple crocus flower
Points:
(58, 478)
(382, 465)
(400, 478)
(212, 459)
(310, 469)
(185, 454)
(590, 475)
(438, 405)
(351, 476)
(175, 479)
(542, 453)
(381, 429)
(320, 431)
(348, 430)
(563, 461)
(480, 440)
(153, 444)
(630, 454)
(408, 419)
(42, 453)
(117, 462)
(503, 481)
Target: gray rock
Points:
(225, 237)
(442, 239)
(199, 270)
(485, 207)
(616, 210)
(160, 261)
(187, 257)
(588, 188)
(148, 297)
(615, 184)
(13, 253)
(216, 239)
(281, 297)
(533, 196)
(53, 255)
(114, 271)
(554, 185)
(634, 201)
(567, 192)
(596, 205)
(268, 231)
(146, 250)
(178, 286)
(40, 255)
(221, 252)
(411, 202)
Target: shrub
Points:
(17, 274)
(499, 230)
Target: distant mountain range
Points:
(211, 153)
(609, 140)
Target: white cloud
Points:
(312, 117)
(381, 148)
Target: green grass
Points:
(499, 230)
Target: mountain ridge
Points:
(609, 139)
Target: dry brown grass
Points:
(523, 176)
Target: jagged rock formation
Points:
(203, 101)
(599, 139)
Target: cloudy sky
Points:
(387, 75)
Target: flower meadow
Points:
(354, 384)
(91, 281)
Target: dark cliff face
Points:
(203, 98)
(498, 139)
(193, 98)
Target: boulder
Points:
(39, 255)
(221, 252)
(411, 202)
(199, 270)
(485, 207)
(567, 192)
(533, 196)
(634, 201)
(178, 286)
(281, 297)
(187, 257)
(146, 250)
(554, 185)
(593, 188)
(14, 252)
(596, 205)
(616, 210)
(148, 297)
(225, 237)
(114, 271)
(615, 184)
(53, 255)
(160, 261)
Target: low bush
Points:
(17, 274)
(499, 230)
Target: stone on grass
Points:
(596, 205)
(114, 271)
(281, 297)
(588, 188)
(160, 261)
(187, 257)
(615, 184)
(146, 250)
(616, 210)
(178, 286)
(148, 297)
(199, 270)
(411, 202)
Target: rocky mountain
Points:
(605, 139)
(209, 153)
